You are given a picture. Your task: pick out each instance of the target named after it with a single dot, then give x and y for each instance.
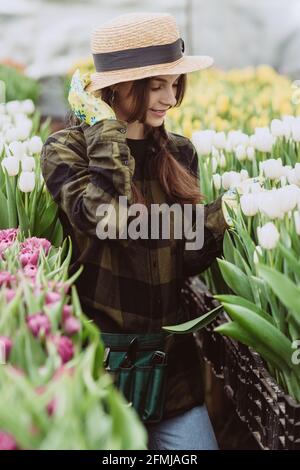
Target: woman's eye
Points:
(154, 89)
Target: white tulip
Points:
(288, 197)
(23, 129)
(13, 107)
(222, 161)
(11, 134)
(244, 175)
(280, 129)
(250, 153)
(226, 180)
(214, 164)
(268, 204)
(262, 140)
(18, 149)
(217, 180)
(297, 171)
(272, 168)
(28, 164)
(11, 165)
(240, 153)
(297, 221)
(27, 106)
(2, 108)
(296, 130)
(249, 204)
(237, 138)
(288, 120)
(219, 140)
(35, 144)
(286, 169)
(26, 181)
(215, 153)
(292, 177)
(228, 146)
(268, 236)
(19, 117)
(203, 141)
(257, 253)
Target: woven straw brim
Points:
(185, 64)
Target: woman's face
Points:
(162, 96)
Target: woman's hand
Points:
(85, 105)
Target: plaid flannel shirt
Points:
(134, 283)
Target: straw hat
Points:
(140, 45)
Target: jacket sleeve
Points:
(198, 260)
(82, 177)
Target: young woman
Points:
(118, 146)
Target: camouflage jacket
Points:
(136, 284)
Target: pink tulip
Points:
(35, 244)
(52, 297)
(7, 442)
(30, 270)
(29, 257)
(5, 343)
(10, 294)
(64, 348)
(71, 326)
(37, 323)
(9, 234)
(51, 407)
(67, 312)
(6, 278)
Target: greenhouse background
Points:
(243, 117)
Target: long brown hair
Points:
(179, 184)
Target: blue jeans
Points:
(191, 430)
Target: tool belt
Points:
(138, 364)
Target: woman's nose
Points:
(169, 98)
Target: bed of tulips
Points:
(24, 202)
(54, 393)
(258, 279)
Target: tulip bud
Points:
(27, 106)
(13, 107)
(268, 236)
(203, 141)
(7, 442)
(222, 161)
(249, 204)
(250, 153)
(240, 153)
(18, 149)
(217, 180)
(11, 165)
(28, 164)
(5, 348)
(297, 221)
(26, 181)
(38, 323)
(23, 129)
(71, 325)
(219, 140)
(257, 252)
(35, 144)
